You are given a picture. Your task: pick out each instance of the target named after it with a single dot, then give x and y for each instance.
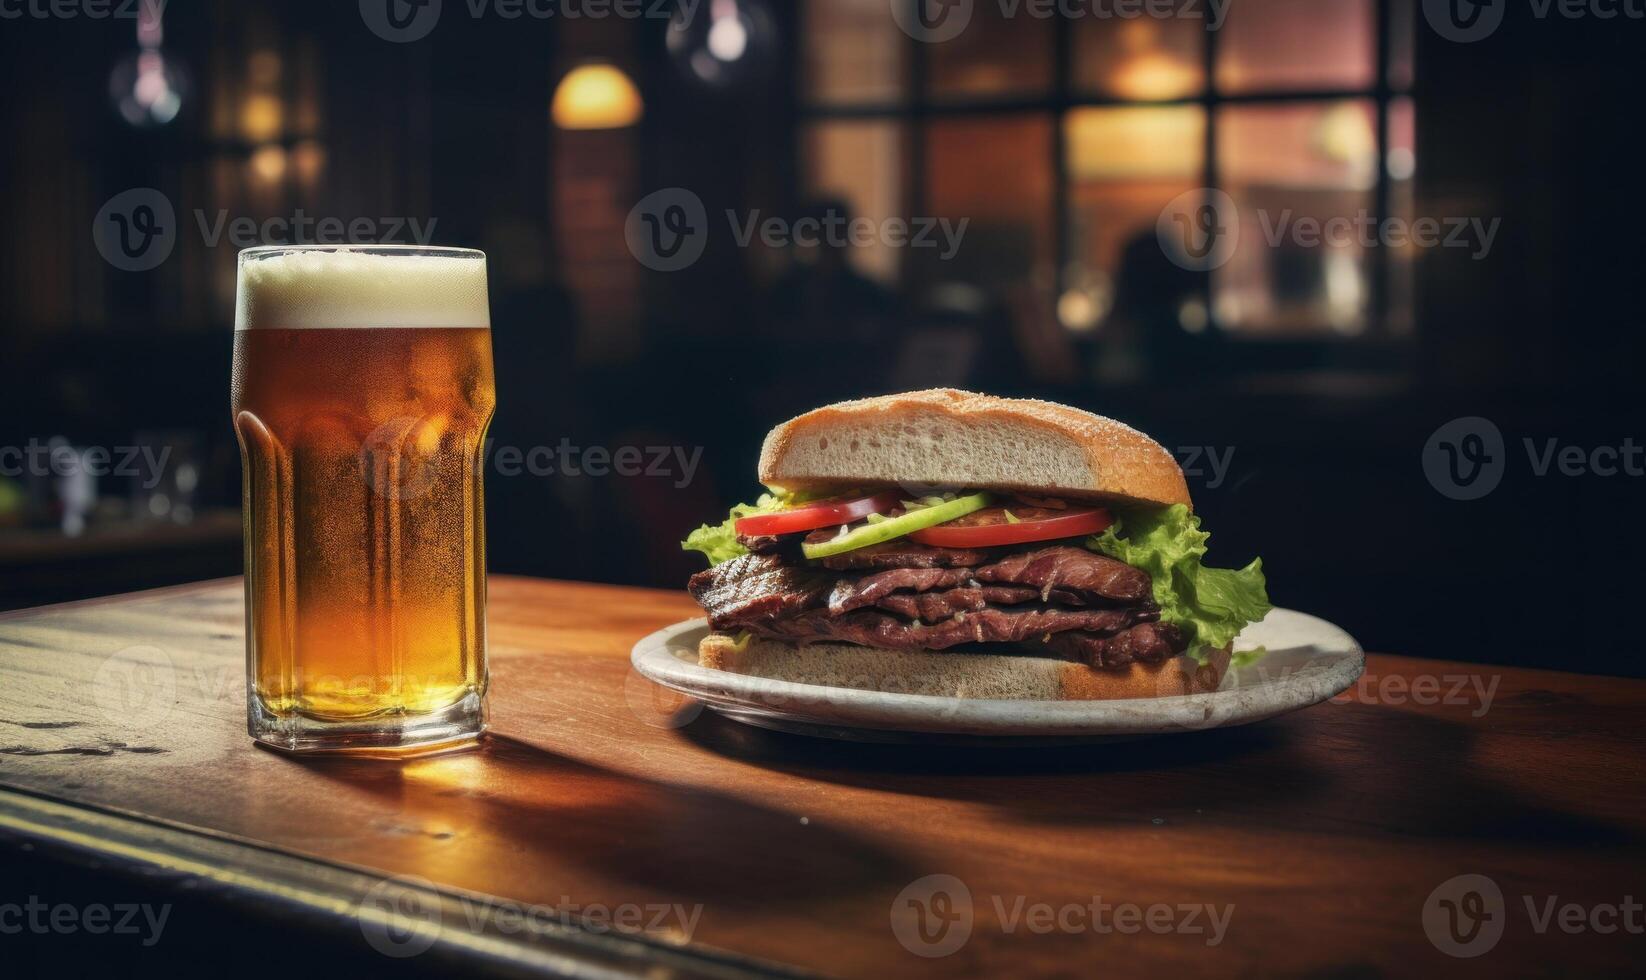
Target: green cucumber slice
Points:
(897, 527)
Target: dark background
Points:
(1327, 403)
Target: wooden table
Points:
(724, 849)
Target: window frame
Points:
(917, 108)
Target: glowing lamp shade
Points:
(596, 96)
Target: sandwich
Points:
(948, 543)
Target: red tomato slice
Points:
(818, 513)
(989, 527)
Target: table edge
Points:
(331, 895)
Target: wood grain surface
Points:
(1316, 839)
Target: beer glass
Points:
(362, 391)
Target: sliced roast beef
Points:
(1145, 643)
(933, 606)
(1071, 569)
(1069, 576)
(754, 588)
(1068, 601)
(850, 593)
(874, 628)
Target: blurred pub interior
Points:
(1059, 140)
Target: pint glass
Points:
(362, 392)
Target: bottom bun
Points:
(1005, 675)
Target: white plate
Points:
(1308, 661)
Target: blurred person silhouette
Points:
(822, 299)
(1159, 322)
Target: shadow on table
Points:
(1399, 772)
(515, 820)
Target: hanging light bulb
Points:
(147, 87)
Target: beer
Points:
(362, 392)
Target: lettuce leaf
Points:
(719, 541)
(1211, 605)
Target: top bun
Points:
(947, 438)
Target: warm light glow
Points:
(1140, 142)
(268, 164)
(308, 158)
(1156, 76)
(260, 118)
(596, 96)
(1345, 135)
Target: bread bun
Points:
(949, 674)
(947, 438)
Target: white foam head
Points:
(363, 287)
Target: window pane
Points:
(854, 52)
(996, 172)
(1145, 58)
(1402, 164)
(995, 56)
(1125, 165)
(1311, 44)
(860, 163)
(1289, 169)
